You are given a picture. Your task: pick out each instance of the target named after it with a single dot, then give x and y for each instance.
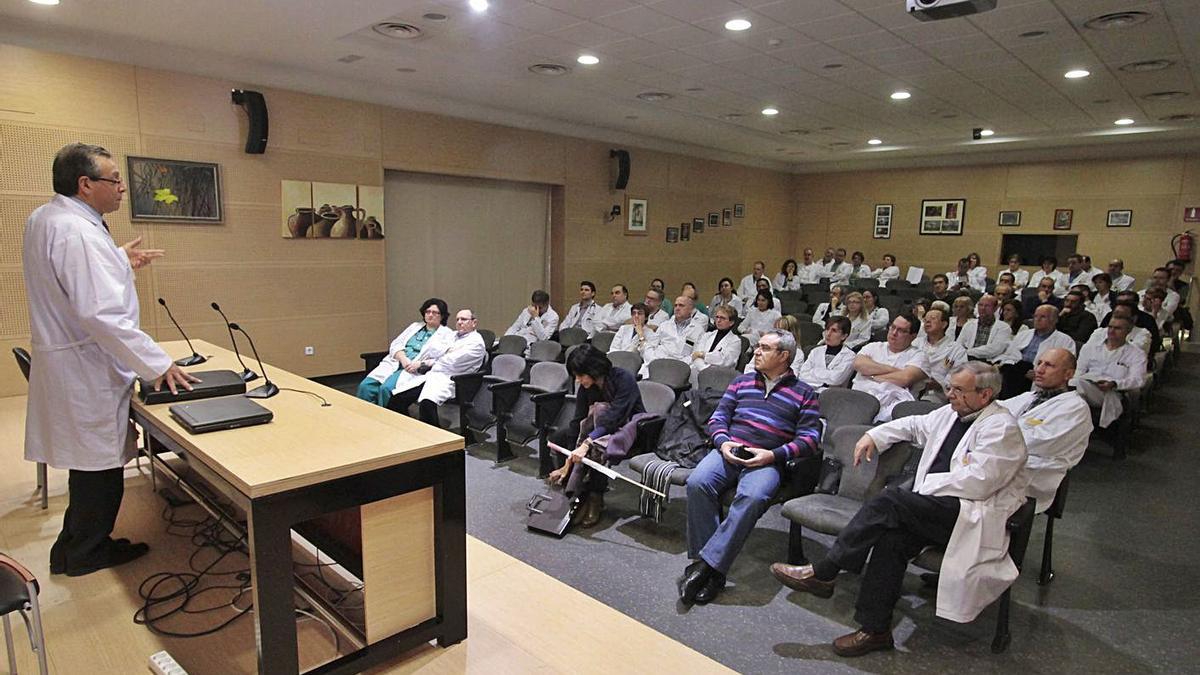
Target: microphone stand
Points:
(268, 389)
(195, 359)
(247, 374)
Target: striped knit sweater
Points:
(787, 422)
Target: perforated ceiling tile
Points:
(27, 152)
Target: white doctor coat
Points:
(433, 348)
(816, 373)
(1056, 340)
(87, 345)
(1056, 436)
(463, 354)
(996, 344)
(987, 474)
(724, 353)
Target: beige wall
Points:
(837, 209)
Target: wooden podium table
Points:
(405, 479)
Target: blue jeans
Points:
(373, 391)
(718, 541)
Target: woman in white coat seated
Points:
(421, 340)
(788, 278)
(720, 347)
(1020, 277)
(962, 311)
(828, 310)
(880, 317)
(633, 336)
(760, 318)
(859, 269)
(886, 272)
(860, 321)
(763, 285)
(429, 382)
(977, 272)
(831, 363)
(786, 322)
(725, 296)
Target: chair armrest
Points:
(371, 359)
(547, 407)
(466, 386)
(504, 394)
(17, 567)
(681, 388)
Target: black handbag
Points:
(550, 511)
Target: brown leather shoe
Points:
(861, 642)
(801, 578)
(593, 508)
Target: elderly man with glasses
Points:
(431, 383)
(764, 419)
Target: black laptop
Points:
(212, 383)
(216, 414)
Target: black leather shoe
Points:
(117, 555)
(711, 589)
(694, 580)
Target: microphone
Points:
(247, 374)
(193, 360)
(268, 389)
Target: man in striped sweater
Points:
(764, 419)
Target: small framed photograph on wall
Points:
(714, 219)
(1121, 218)
(1010, 218)
(883, 221)
(943, 216)
(638, 218)
(174, 190)
(1063, 218)
(739, 210)
(685, 232)
(727, 217)
(697, 225)
(672, 235)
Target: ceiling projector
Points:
(933, 10)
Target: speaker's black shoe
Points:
(694, 578)
(711, 589)
(117, 555)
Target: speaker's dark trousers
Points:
(95, 499)
(893, 527)
(427, 410)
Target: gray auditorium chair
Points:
(657, 397)
(910, 408)
(811, 335)
(1055, 512)
(603, 340)
(716, 378)
(482, 400)
(544, 350)
(845, 407)
(520, 423)
(745, 354)
(791, 302)
(19, 592)
(24, 361)
(512, 344)
(675, 374)
(630, 361)
(569, 337)
(862, 284)
(489, 338)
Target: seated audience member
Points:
(1182, 317)
(878, 315)
(962, 312)
(971, 480)
(891, 371)
(810, 270)
(429, 383)
(1017, 361)
(977, 272)
(725, 296)
(858, 268)
(831, 363)
(887, 270)
(985, 337)
(633, 336)
(939, 290)
(763, 286)
(1152, 304)
(1011, 313)
(1006, 277)
(536, 322)
(658, 285)
(615, 313)
(1020, 276)
(1004, 292)
(1075, 275)
(1104, 297)
(748, 287)
(584, 313)
(834, 307)
(860, 321)
(1161, 279)
(1074, 319)
(827, 264)
(1120, 280)
(654, 311)
(719, 347)
(421, 340)
(608, 406)
(760, 318)
(1140, 319)
(689, 289)
(788, 278)
(676, 338)
(1108, 368)
(839, 270)
(959, 279)
(790, 324)
(1049, 268)
(1055, 423)
(1042, 294)
(919, 307)
(763, 420)
(941, 352)
(1138, 336)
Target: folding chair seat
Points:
(675, 374)
(512, 344)
(629, 361)
(569, 337)
(521, 423)
(716, 378)
(544, 350)
(842, 407)
(484, 401)
(603, 340)
(19, 591)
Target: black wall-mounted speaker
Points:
(622, 168)
(256, 109)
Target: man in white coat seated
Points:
(635, 335)
(721, 347)
(1016, 363)
(971, 478)
(1055, 422)
(984, 337)
(1108, 368)
(677, 338)
(748, 286)
(87, 350)
(831, 363)
(423, 340)
(536, 322)
(584, 314)
(615, 313)
(891, 371)
(430, 385)
(941, 351)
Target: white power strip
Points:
(163, 663)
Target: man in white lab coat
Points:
(431, 385)
(677, 337)
(748, 286)
(87, 351)
(970, 479)
(536, 322)
(1016, 363)
(1108, 368)
(984, 337)
(584, 314)
(1055, 422)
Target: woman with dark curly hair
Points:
(422, 340)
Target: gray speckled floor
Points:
(1124, 599)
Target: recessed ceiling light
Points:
(832, 66)
(1165, 95)
(406, 70)
(986, 132)
(774, 42)
(1123, 122)
(588, 59)
(737, 25)
(874, 141)
(653, 96)
(770, 111)
(478, 5)
(901, 95)
(436, 17)
(44, 2)
(1147, 66)
(1030, 34)
(1117, 20)
(1076, 74)
(549, 69)
(398, 30)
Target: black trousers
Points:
(1013, 380)
(893, 527)
(426, 410)
(94, 500)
